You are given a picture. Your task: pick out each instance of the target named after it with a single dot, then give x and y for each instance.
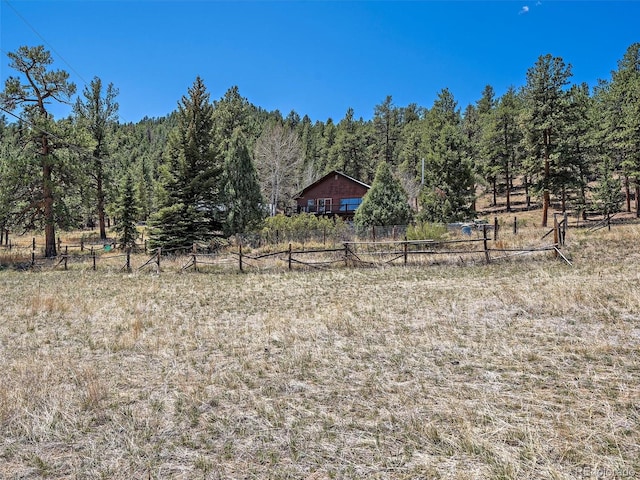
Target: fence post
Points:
(33, 244)
(93, 256)
(515, 225)
(240, 256)
(564, 228)
(495, 228)
(556, 229)
(158, 253)
(128, 259)
(66, 256)
(82, 244)
(289, 256)
(485, 243)
(195, 262)
(406, 246)
(346, 254)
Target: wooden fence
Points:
(347, 254)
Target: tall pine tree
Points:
(544, 122)
(244, 205)
(191, 178)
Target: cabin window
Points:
(349, 204)
(324, 205)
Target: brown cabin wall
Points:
(335, 187)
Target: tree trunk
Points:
(638, 199)
(526, 192)
(547, 171)
(627, 193)
(100, 195)
(47, 201)
(495, 191)
(507, 176)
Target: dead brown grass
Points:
(524, 369)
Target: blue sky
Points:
(316, 57)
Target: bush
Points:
(426, 231)
(300, 228)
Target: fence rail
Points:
(348, 253)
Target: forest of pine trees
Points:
(218, 167)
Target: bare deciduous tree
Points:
(277, 156)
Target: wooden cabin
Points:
(335, 194)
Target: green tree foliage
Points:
(349, 152)
(608, 195)
(624, 117)
(501, 143)
(576, 149)
(244, 205)
(191, 178)
(31, 91)
(544, 121)
(449, 179)
(281, 228)
(385, 204)
(98, 113)
(387, 128)
(127, 214)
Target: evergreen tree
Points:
(243, 199)
(607, 193)
(387, 128)
(544, 122)
(191, 180)
(37, 87)
(500, 143)
(575, 163)
(624, 117)
(449, 178)
(97, 114)
(349, 152)
(127, 214)
(385, 204)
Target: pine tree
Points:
(191, 178)
(624, 121)
(385, 204)
(449, 178)
(501, 140)
(97, 114)
(244, 206)
(607, 193)
(349, 152)
(387, 129)
(127, 213)
(544, 122)
(33, 93)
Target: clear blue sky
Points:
(316, 57)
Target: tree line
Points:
(219, 167)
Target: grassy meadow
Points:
(525, 368)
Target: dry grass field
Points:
(526, 368)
